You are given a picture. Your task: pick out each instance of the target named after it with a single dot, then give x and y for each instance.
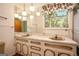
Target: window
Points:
(56, 19)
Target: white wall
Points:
(6, 28)
(76, 27)
(38, 26)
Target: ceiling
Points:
(27, 5)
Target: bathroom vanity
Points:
(39, 45)
(54, 21)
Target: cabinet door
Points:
(25, 49)
(49, 52)
(18, 47)
(34, 53)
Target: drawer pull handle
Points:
(35, 48)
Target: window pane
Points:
(57, 18)
(47, 20)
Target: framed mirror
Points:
(20, 26)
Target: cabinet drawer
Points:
(59, 46)
(23, 40)
(49, 52)
(35, 42)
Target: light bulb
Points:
(24, 18)
(32, 8)
(49, 12)
(38, 13)
(31, 16)
(16, 15)
(24, 13)
(19, 17)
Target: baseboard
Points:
(17, 54)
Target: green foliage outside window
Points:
(56, 19)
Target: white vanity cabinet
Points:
(37, 47)
(59, 49)
(22, 46)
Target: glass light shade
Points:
(32, 8)
(49, 12)
(24, 13)
(16, 15)
(38, 13)
(19, 17)
(24, 18)
(31, 16)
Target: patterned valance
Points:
(55, 6)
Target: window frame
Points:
(50, 27)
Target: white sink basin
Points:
(25, 35)
(22, 34)
(56, 37)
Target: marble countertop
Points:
(46, 38)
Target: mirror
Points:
(20, 26)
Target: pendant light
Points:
(16, 14)
(24, 18)
(24, 12)
(19, 17)
(38, 13)
(31, 16)
(32, 8)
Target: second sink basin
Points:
(56, 37)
